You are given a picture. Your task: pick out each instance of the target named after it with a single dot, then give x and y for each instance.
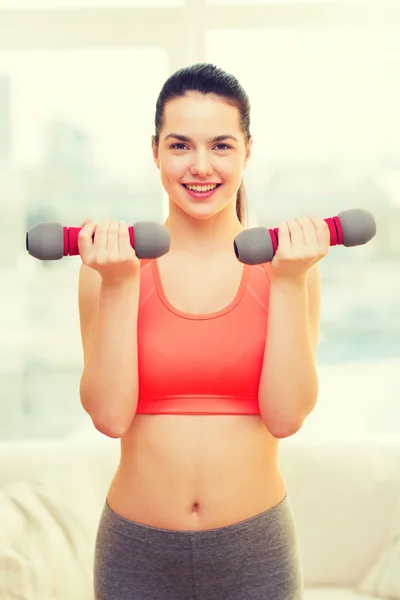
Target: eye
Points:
(174, 146)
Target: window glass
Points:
(325, 105)
(75, 142)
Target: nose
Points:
(201, 165)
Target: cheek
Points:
(230, 168)
(173, 170)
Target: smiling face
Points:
(202, 143)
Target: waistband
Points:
(274, 517)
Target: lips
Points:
(201, 195)
(202, 184)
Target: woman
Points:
(178, 364)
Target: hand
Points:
(302, 242)
(111, 252)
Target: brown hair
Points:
(208, 79)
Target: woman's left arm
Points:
(288, 387)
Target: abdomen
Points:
(196, 472)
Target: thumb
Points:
(85, 222)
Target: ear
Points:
(155, 151)
(248, 152)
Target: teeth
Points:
(201, 188)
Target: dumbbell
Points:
(258, 245)
(52, 241)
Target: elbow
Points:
(111, 423)
(287, 423)
(108, 428)
(115, 424)
(283, 427)
(283, 430)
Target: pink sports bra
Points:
(201, 364)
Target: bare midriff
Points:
(196, 472)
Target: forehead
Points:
(196, 113)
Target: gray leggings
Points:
(255, 559)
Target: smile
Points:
(201, 191)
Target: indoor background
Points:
(78, 86)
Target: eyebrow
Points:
(218, 138)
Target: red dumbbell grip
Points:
(335, 229)
(71, 239)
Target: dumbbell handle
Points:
(335, 230)
(71, 239)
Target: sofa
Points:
(345, 495)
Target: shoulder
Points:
(146, 275)
(144, 262)
(258, 283)
(261, 272)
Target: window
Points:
(75, 142)
(326, 138)
(62, 4)
(261, 2)
(74, 127)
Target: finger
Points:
(85, 240)
(100, 238)
(296, 234)
(125, 246)
(323, 233)
(85, 222)
(284, 243)
(112, 239)
(309, 232)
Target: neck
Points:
(202, 236)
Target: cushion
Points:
(334, 593)
(48, 526)
(383, 579)
(345, 499)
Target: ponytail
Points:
(241, 205)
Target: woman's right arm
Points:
(108, 308)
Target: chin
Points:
(201, 215)
(198, 210)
